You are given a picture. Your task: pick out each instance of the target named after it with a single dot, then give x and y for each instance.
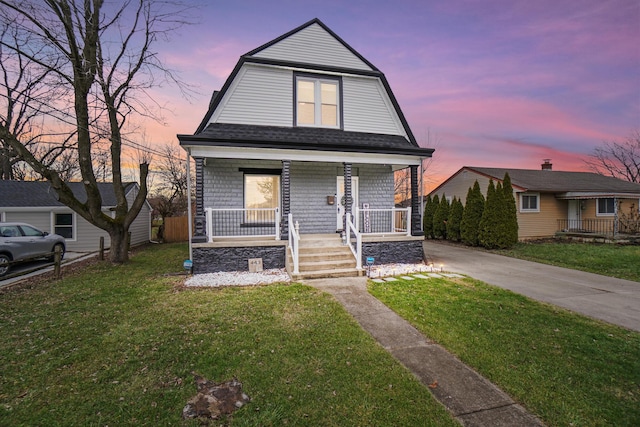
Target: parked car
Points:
(23, 242)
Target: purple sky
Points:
(502, 83)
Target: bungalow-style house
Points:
(36, 203)
(551, 202)
(295, 160)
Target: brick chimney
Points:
(547, 165)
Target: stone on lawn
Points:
(215, 399)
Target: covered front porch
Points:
(252, 210)
(606, 215)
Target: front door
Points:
(574, 215)
(341, 198)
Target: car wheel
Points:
(4, 264)
(55, 247)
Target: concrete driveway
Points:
(613, 300)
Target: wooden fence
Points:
(176, 229)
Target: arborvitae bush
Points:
(429, 211)
(455, 219)
(490, 217)
(509, 235)
(473, 208)
(440, 218)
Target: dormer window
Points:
(317, 101)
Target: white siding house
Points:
(35, 203)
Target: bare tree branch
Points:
(619, 159)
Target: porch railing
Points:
(243, 223)
(294, 243)
(357, 248)
(587, 225)
(384, 221)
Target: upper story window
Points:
(529, 202)
(317, 102)
(606, 207)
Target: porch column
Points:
(348, 197)
(285, 190)
(416, 226)
(199, 233)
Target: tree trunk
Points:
(119, 251)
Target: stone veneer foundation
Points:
(405, 252)
(216, 259)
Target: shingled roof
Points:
(40, 193)
(549, 181)
(303, 138)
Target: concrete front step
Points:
(327, 265)
(324, 255)
(324, 274)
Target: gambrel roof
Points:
(311, 47)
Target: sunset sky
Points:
(496, 83)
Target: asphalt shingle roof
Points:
(304, 138)
(40, 193)
(560, 181)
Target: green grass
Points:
(607, 259)
(117, 345)
(566, 368)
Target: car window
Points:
(30, 231)
(9, 231)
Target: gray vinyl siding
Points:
(40, 220)
(224, 189)
(261, 96)
(311, 183)
(367, 107)
(313, 45)
(140, 228)
(87, 236)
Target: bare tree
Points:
(619, 159)
(25, 98)
(101, 56)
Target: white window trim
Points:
(598, 213)
(317, 97)
(74, 225)
(522, 209)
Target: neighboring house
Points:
(306, 132)
(551, 201)
(36, 203)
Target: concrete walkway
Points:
(613, 300)
(471, 398)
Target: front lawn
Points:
(117, 345)
(601, 258)
(565, 368)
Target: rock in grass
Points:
(215, 399)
